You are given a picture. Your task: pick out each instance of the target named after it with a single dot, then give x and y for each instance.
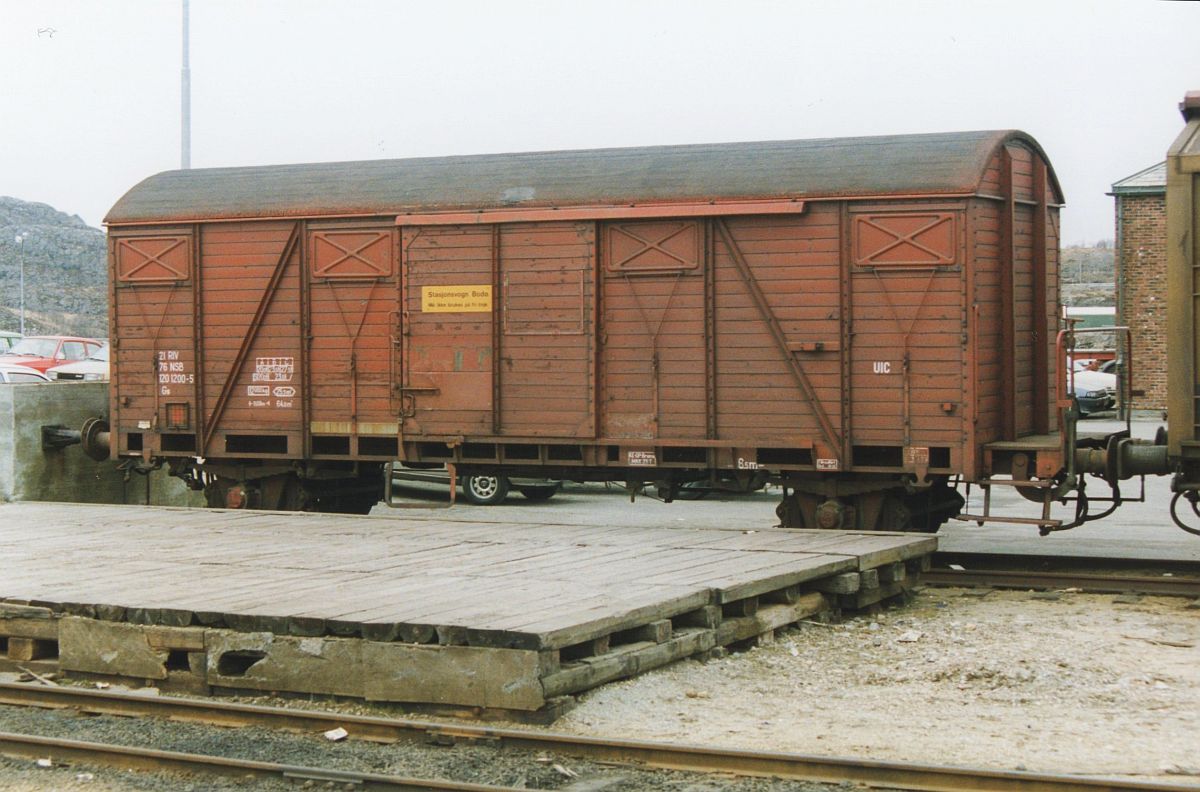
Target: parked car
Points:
(11, 373)
(1094, 364)
(1095, 391)
(43, 352)
(483, 490)
(7, 339)
(93, 368)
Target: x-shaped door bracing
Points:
(379, 269)
(910, 238)
(658, 245)
(170, 244)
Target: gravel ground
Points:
(477, 763)
(1061, 683)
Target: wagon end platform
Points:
(490, 618)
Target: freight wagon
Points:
(1183, 332)
(864, 321)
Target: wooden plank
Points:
(757, 575)
(478, 583)
(867, 597)
(626, 661)
(537, 602)
(561, 630)
(769, 618)
(870, 551)
(43, 629)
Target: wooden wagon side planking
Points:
(846, 315)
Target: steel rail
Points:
(896, 775)
(1189, 567)
(1091, 583)
(149, 759)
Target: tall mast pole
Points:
(185, 158)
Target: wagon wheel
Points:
(282, 493)
(895, 516)
(214, 492)
(924, 511)
(1191, 496)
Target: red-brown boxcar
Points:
(857, 319)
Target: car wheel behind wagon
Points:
(485, 490)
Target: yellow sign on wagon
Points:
(450, 299)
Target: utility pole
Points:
(185, 158)
(21, 262)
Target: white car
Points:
(12, 373)
(1095, 391)
(93, 368)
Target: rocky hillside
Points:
(65, 271)
(1089, 280)
(1088, 276)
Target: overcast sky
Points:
(90, 90)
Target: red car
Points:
(42, 352)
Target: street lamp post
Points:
(21, 289)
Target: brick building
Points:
(1141, 248)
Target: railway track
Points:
(1092, 575)
(891, 775)
(147, 759)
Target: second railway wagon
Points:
(860, 320)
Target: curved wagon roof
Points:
(941, 164)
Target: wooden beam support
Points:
(497, 330)
(1008, 352)
(1043, 336)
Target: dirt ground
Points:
(1054, 682)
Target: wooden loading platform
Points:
(494, 617)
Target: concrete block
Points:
(100, 647)
(473, 676)
(266, 661)
(27, 473)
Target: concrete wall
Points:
(29, 474)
